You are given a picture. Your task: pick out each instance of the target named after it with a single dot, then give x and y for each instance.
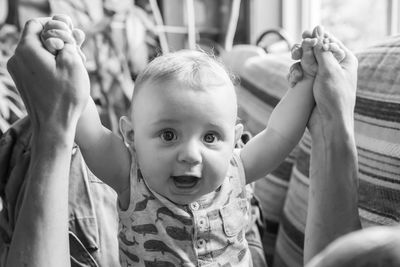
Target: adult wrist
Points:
(50, 133)
(337, 130)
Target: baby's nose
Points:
(190, 153)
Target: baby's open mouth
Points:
(185, 181)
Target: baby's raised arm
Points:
(287, 123)
(104, 152)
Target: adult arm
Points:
(55, 92)
(41, 233)
(332, 203)
(332, 199)
(104, 152)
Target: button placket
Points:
(202, 224)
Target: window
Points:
(357, 23)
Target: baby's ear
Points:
(126, 129)
(238, 132)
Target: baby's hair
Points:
(183, 66)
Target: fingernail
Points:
(319, 31)
(296, 51)
(313, 42)
(295, 47)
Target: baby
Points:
(180, 182)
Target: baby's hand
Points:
(59, 31)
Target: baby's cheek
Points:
(218, 168)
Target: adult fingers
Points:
(308, 43)
(68, 57)
(56, 24)
(32, 29)
(326, 60)
(338, 53)
(350, 61)
(318, 32)
(306, 34)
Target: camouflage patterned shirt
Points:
(154, 231)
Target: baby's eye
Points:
(168, 135)
(210, 138)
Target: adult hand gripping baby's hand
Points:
(335, 84)
(54, 89)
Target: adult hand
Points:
(54, 89)
(335, 83)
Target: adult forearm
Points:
(41, 232)
(332, 206)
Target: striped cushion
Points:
(262, 84)
(289, 247)
(377, 129)
(377, 125)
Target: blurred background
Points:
(123, 35)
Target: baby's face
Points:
(184, 137)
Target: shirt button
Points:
(202, 221)
(201, 243)
(194, 206)
(202, 224)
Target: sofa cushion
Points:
(377, 127)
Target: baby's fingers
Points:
(53, 44)
(296, 51)
(57, 39)
(295, 74)
(56, 24)
(65, 36)
(308, 44)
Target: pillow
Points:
(377, 127)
